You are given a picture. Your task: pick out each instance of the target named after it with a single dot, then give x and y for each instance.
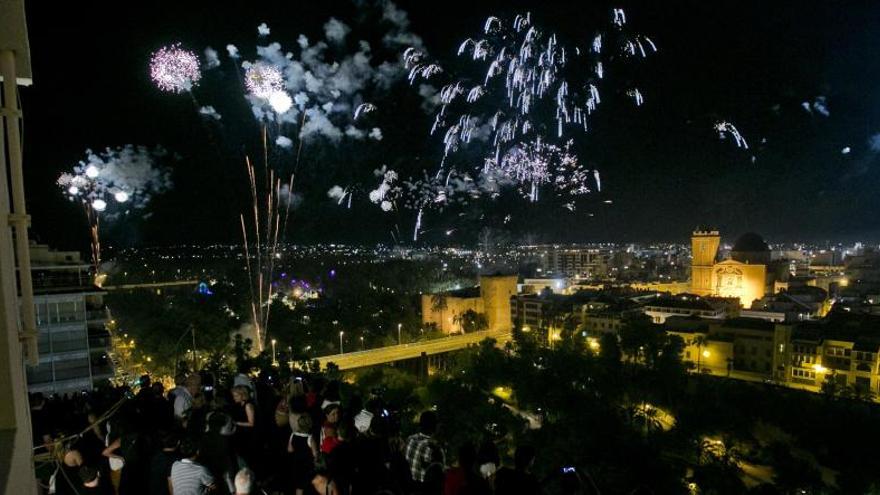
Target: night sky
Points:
(752, 63)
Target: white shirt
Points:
(182, 402)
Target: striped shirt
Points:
(190, 478)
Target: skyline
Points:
(662, 165)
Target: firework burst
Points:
(530, 92)
(112, 183)
(174, 69)
(263, 80)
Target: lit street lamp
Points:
(362, 342)
(274, 356)
(398, 333)
(341, 333)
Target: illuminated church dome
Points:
(750, 248)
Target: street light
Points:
(274, 356)
(362, 342)
(341, 333)
(399, 341)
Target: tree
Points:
(471, 321)
(439, 303)
(609, 351)
(700, 342)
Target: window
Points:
(801, 373)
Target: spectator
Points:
(216, 454)
(488, 458)
(187, 476)
(519, 480)
(330, 441)
(40, 422)
(341, 459)
(331, 418)
(244, 417)
(302, 450)
(421, 447)
(465, 479)
(179, 386)
(67, 475)
(244, 482)
(92, 482)
(160, 465)
(322, 483)
(183, 397)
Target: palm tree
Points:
(646, 417)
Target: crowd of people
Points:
(255, 437)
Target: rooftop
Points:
(749, 323)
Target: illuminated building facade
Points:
(841, 351)
(575, 262)
(743, 276)
(491, 298)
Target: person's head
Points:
(38, 400)
(240, 394)
(244, 482)
(189, 449)
(331, 413)
(428, 422)
(217, 421)
(180, 379)
(331, 391)
(193, 383)
(524, 457)
(168, 441)
(145, 382)
(297, 389)
(158, 389)
(304, 424)
(89, 476)
(298, 404)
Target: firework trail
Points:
(270, 200)
(523, 74)
(112, 183)
(726, 129)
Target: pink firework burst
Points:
(174, 69)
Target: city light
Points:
(819, 368)
(706, 353)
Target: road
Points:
(150, 285)
(381, 355)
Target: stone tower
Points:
(496, 291)
(704, 250)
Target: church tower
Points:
(704, 249)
